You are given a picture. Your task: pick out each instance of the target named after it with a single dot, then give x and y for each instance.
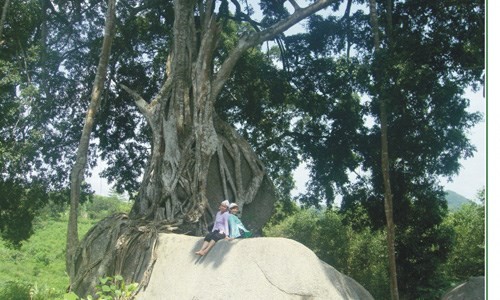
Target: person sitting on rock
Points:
(236, 227)
(219, 231)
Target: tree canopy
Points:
(49, 57)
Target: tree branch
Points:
(294, 4)
(256, 38)
(139, 101)
(241, 16)
(297, 16)
(78, 170)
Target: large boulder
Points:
(472, 289)
(255, 268)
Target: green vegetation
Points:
(110, 288)
(359, 254)
(344, 241)
(36, 269)
(466, 258)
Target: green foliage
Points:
(114, 288)
(423, 243)
(110, 288)
(101, 207)
(21, 202)
(481, 195)
(18, 205)
(332, 240)
(422, 80)
(17, 290)
(282, 209)
(300, 226)
(347, 242)
(40, 261)
(358, 254)
(367, 261)
(467, 255)
(422, 240)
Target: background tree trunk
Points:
(78, 170)
(5, 8)
(385, 156)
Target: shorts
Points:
(215, 236)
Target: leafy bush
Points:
(110, 288)
(360, 254)
(101, 207)
(114, 288)
(333, 241)
(14, 290)
(466, 258)
(367, 261)
(301, 226)
(17, 290)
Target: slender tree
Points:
(384, 154)
(77, 173)
(424, 63)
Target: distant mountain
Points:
(455, 200)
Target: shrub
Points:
(110, 288)
(466, 258)
(18, 290)
(360, 254)
(101, 207)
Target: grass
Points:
(39, 263)
(37, 270)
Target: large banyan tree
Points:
(196, 158)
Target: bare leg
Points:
(203, 247)
(205, 251)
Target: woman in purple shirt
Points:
(219, 231)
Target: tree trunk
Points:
(197, 160)
(2, 19)
(188, 138)
(77, 173)
(385, 157)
